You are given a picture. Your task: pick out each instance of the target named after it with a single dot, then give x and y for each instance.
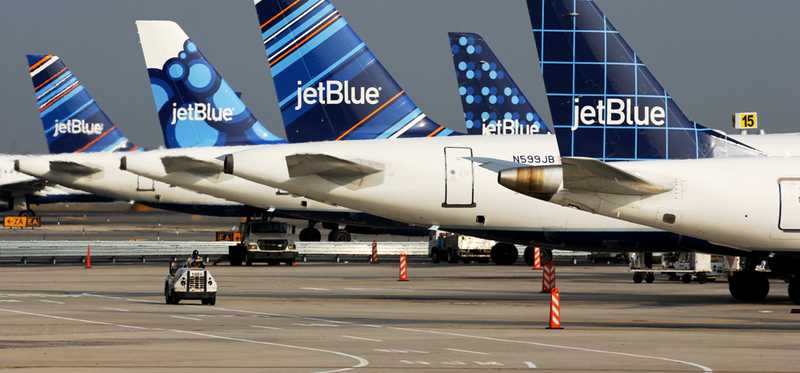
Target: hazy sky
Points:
(714, 56)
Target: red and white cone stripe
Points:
(555, 309)
(548, 277)
(403, 267)
(537, 258)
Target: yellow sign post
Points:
(21, 222)
(745, 121)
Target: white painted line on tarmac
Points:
(326, 320)
(316, 324)
(530, 364)
(316, 289)
(51, 301)
(10, 301)
(185, 318)
(705, 369)
(453, 363)
(265, 327)
(362, 338)
(115, 309)
(489, 363)
(418, 362)
(360, 361)
(467, 351)
(370, 325)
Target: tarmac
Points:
(358, 317)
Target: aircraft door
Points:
(459, 184)
(144, 184)
(789, 219)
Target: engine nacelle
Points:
(539, 182)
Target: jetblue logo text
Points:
(511, 127)
(77, 127)
(334, 92)
(617, 112)
(200, 111)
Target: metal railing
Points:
(55, 251)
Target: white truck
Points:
(185, 282)
(683, 266)
(263, 241)
(452, 248)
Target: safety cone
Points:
(373, 258)
(403, 267)
(88, 257)
(537, 258)
(555, 310)
(548, 277)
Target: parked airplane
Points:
(658, 169)
(74, 123)
(165, 45)
(434, 182)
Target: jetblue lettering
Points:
(511, 127)
(77, 127)
(615, 112)
(334, 92)
(200, 111)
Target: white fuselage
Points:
(430, 182)
(746, 203)
(218, 184)
(112, 182)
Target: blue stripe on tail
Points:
(73, 121)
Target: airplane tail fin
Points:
(604, 101)
(195, 105)
(492, 101)
(73, 121)
(330, 86)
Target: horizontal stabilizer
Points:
(174, 164)
(591, 175)
(326, 166)
(69, 167)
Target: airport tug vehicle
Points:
(190, 281)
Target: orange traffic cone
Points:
(548, 277)
(555, 310)
(403, 267)
(88, 257)
(537, 258)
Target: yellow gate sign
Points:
(745, 121)
(20, 222)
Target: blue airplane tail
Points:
(493, 103)
(330, 86)
(604, 101)
(73, 121)
(195, 105)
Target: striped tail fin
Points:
(605, 102)
(493, 103)
(330, 85)
(195, 105)
(73, 121)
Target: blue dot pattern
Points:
(189, 79)
(488, 93)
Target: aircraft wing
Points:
(328, 167)
(70, 167)
(493, 164)
(591, 175)
(192, 165)
(24, 187)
